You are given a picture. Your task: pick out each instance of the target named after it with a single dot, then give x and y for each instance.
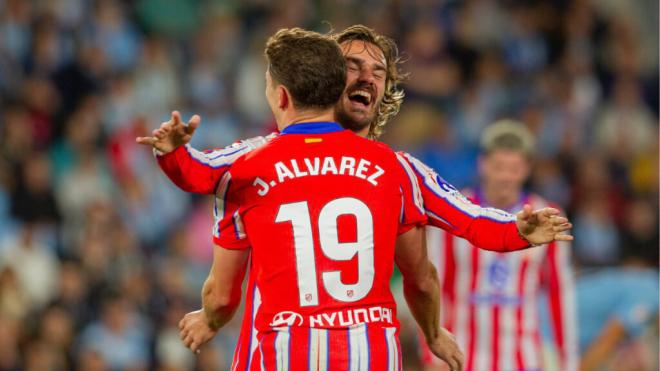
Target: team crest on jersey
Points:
(498, 274)
(286, 318)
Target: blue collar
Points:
(312, 128)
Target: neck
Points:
(363, 132)
(306, 116)
(500, 200)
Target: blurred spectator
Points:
(13, 302)
(170, 353)
(33, 199)
(35, 264)
(120, 336)
(625, 126)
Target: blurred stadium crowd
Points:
(100, 256)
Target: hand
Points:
(542, 226)
(446, 348)
(171, 134)
(195, 331)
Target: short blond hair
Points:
(507, 134)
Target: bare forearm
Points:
(219, 307)
(602, 346)
(423, 298)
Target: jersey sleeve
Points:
(199, 171)
(447, 208)
(228, 229)
(558, 279)
(412, 208)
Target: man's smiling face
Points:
(366, 74)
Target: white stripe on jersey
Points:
(392, 351)
(483, 315)
(358, 347)
(324, 357)
(363, 342)
(507, 322)
(318, 349)
(435, 237)
(254, 342)
(238, 225)
(226, 156)
(219, 207)
(282, 348)
(417, 192)
(353, 349)
(218, 158)
(463, 271)
(530, 353)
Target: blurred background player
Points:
(358, 194)
(490, 300)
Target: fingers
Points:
(193, 124)
(558, 220)
(525, 213)
(176, 118)
(149, 141)
(549, 212)
(562, 228)
(564, 237)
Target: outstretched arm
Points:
(192, 170)
(422, 292)
(485, 227)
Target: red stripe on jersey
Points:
(472, 322)
(556, 299)
(243, 352)
(268, 352)
(299, 350)
(519, 315)
(338, 350)
(449, 282)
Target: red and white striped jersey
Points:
(490, 301)
(351, 349)
(320, 208)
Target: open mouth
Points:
(361, 97)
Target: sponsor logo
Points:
(498, 274)
(286, 318)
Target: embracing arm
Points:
(189, 169)
(422, 292)
(484, 227)
(221, 296)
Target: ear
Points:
(283, 97)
